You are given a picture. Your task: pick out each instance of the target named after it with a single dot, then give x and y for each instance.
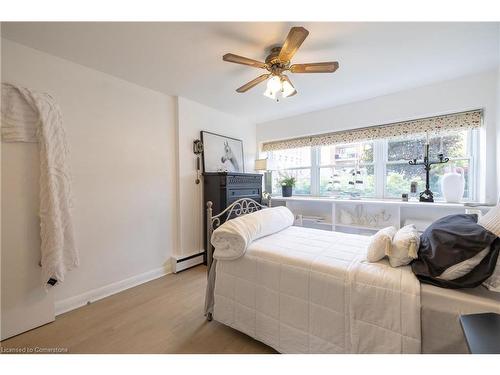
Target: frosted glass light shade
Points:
(274, 84)
(288, 89)
(270, 94)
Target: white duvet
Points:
(303, 290)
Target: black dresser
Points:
(225, 188)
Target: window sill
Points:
(371, 201)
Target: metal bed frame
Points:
(240, 207)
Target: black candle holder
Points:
(427, 195)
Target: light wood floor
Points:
(161, 316)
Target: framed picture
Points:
(221, 153)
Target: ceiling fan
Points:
(278, 62)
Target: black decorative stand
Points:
(426, 195)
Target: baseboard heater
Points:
(188, 262)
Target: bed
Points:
(304, 290)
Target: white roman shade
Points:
(455, 121)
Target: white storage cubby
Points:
(311, 214)
(365, 216)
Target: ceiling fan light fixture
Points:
(273, 87)
(278, 62)
(278, 84)
(287, 89)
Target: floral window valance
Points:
(457, 121)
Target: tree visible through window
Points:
(399, 174)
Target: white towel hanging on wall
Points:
(31, 116)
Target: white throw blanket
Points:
(31, 116)
(233, 237)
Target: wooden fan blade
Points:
(285, 78)
(293, 41)
(252, 83)
(229, 57)
(322, 67)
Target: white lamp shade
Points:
(274, 84)
(261, 165)
(288, 89)
(270, 94)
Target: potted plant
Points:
(287, 184)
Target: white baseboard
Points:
(177, 257)
(72, 303)
(183, 263)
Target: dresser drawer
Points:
(233, 194)
(242, 180)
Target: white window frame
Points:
(380, 162)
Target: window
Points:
(377, 168)
(345, 168)
(399, 174)
(292, 163)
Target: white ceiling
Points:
(185, 59)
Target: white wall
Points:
(192, 118)
(121, 138)
(472, 92)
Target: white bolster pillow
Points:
(232, 238)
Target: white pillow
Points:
(404, 246)
(491, 221)
(463, 268)
(493, 282)
(380, 244)
(233, 237)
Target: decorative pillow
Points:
(451, 245)
(404, 246)
(491, 220)
(380, 244)
(232, 238)
(463, 268)
(493, 283)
